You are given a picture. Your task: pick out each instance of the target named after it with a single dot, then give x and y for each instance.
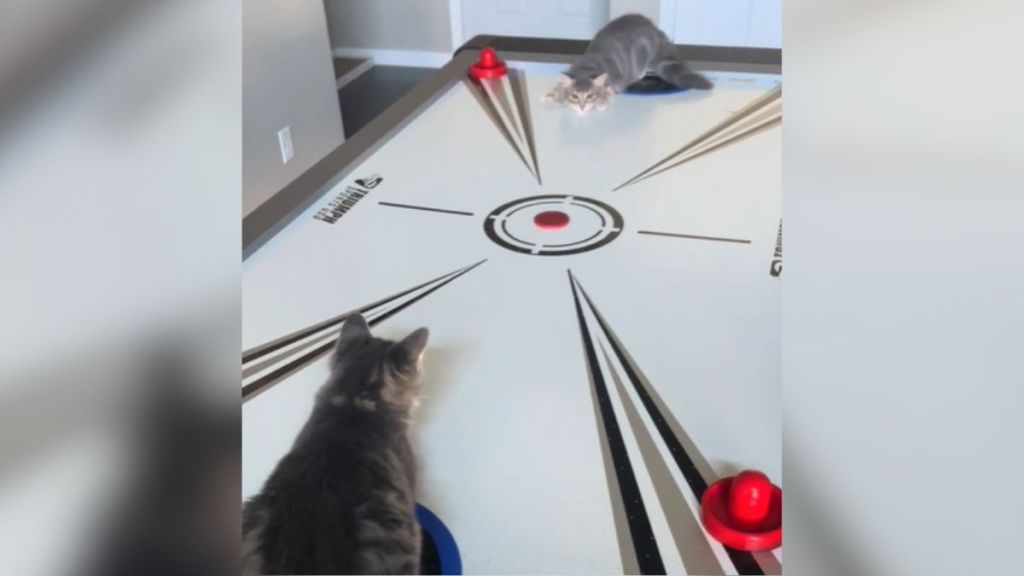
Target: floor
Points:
(364, 98)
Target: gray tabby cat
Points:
(342, 500)
(624, 51)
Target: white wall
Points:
(390, 24)
(541, 18)
(287, 80)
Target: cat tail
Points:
(696, 81)
(675, 72)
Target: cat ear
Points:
(414, 345)
(600, 80)
(355, 327)
(565, 80)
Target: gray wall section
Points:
(287, 80)
(390, 24)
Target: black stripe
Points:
(489, 107)
(268, 347)
(257, 385)
(264, 349)
(694, 237)
(522, 102)
(412, 301)
(644, 544)
(744, 561)
(425, 208)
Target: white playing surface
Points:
(509, 446)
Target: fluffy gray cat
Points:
(342, 500)
(624, 51)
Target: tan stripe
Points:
(258, 367)
(258, 351)
(693, 547)
(765, 125)
(750, 123)
(478, 92)
(318, 327)
(495, 88)
(517, 81)
(769, 97)
(691, 449)
(496, 91)
(736, 117)
(283, 377)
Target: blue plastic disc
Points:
(652, 86)
(439, 544)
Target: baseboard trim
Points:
(354, 73)
(381, 57)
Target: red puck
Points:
(744, 512)
(551, 220)
(488, 66)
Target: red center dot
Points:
(551, 220)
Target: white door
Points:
(539, 18)
(726, 22)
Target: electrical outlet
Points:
(284, 138)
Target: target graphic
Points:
(553, 225)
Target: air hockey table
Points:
(602, 294)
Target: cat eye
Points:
(574, 97)
(591, 96)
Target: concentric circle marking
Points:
(553, 225)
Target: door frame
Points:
(455, 23)
(667, 17)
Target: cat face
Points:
(374, 374)
(585, 94)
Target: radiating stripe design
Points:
(260, 370)
(698, 552)
(760, 115)
(638, 526)
(694, 550)
(505, 102)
